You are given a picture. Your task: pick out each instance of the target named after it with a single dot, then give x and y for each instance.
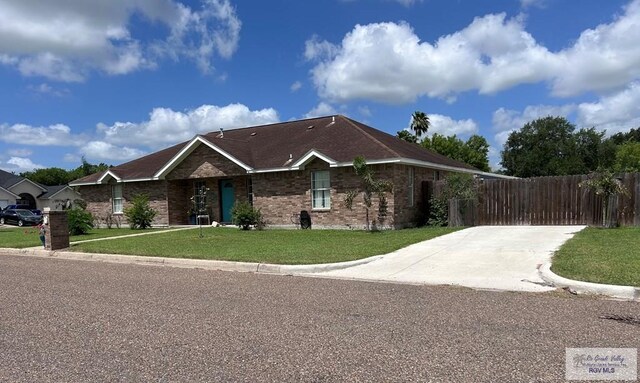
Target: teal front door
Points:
(228, 198)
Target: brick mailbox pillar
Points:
(56, 235)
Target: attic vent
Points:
(333, 121)
(221, 135)
(253, 134)
(287, 162)
(310, 127)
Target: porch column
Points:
(56, 235)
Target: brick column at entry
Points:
(56, 235)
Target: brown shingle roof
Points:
(270, 146)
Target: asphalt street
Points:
(79, 321)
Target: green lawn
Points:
(268, 246)
(14, 237)
(610, 256)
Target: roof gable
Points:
(189, 149)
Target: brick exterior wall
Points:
(405, 213)
(99, 203)
(279, 195)
(205, 162)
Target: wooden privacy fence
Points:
(544, 201)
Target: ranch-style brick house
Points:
(281, 168)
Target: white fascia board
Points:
(188, 149)
(29, 181)
(141, 179)
(427, 164)
(108, 173)
(73, 184)
(9, 192)
(273, 170)
(311, 154)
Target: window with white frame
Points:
(411, 186)
(320, 190)
(116, 198)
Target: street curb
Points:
(621, 292)
(206, 264)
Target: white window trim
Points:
(114, 199)
(313, 190)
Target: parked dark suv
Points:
(25, 207)
(20, 217)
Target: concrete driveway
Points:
(484, 257)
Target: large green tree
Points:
(57, 176)
(632, 135)
(475, 151)
(48, 176)
(595, 151)
(627, 158)
(543, 147)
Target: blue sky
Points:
(112, 80)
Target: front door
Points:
(227, 196)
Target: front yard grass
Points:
(610, 256)
(23, 237)
(267, 246)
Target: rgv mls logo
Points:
(601, 364)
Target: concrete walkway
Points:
(484, 257)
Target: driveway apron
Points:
(482, 257)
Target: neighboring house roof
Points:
(286, 146)
(7, 179)
(10, 180)
(53, 190)
(9, 192)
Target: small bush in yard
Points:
(140, 215)
(80, 221)
(244, 215)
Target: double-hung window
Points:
(116, 198)
(320, 190)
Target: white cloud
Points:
(52, 135)
(296, 86)
(506, 121)
(447, 126)
(46, 89)
(603, 58)
(406, 3)
(66, 41)
(21, 164)
(614, 113)
(19, 152)
(100, 150)
(72, 158)
(322, 109)
(494, 158)
(365, 111)
(166, 126)
(533, 3)
(388, 62)
(315, 49)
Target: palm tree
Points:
(420, 123)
